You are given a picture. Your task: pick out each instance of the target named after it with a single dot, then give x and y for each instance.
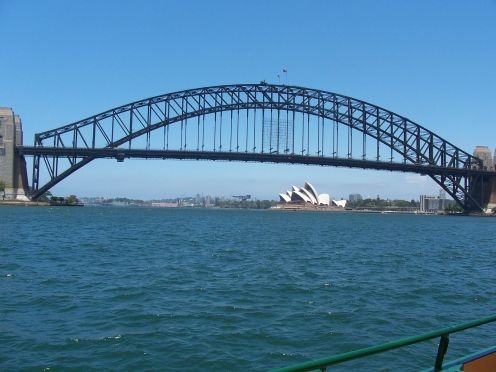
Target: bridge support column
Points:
(13, 174)
(483, 189)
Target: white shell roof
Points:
(312, 190)
(324, 199)
(301, 196)
(312, 198)
(340, 203)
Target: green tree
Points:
(454, 208)
(45, 197)
(2, 189)
(72, 199)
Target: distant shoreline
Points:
(20, 203)
(23, 203)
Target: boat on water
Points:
(481, 361)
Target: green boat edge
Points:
(323, 363)
(457, 364)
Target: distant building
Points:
(483, 153)
(434, 204)
(308, 194)
(442, 194)
(429, 203)
(165, 205)
(207, 201)
(353, 198)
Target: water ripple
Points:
(147, 289)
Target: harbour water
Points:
(214, 290)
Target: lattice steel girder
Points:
(415, 144)
(287, 97)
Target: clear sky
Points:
(431, 61)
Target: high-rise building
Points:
(429, 203)
(435, 204)
(483, 153)
(353, 198)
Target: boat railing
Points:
(443, 333)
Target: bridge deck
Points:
(121, 154)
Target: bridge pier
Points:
(483, 189)
(13, 174)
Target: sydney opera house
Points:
(308, 195)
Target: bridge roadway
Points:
(122, 153)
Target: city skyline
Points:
(75, 72)
(350, 197)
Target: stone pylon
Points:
(13, 174)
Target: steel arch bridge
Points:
(261, 123)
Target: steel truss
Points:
(113, 133)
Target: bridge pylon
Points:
(483, 189)
(13, 174)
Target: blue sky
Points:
(431, 61)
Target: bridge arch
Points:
(294, 125)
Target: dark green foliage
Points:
(381, 204)
(244, 204)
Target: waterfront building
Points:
(429, 203)
(434, 204)
(353, 198)
(483, 153)
(308, 195)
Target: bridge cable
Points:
(220, 127)
(186, 123)
(323, 126)
(237, 126)
(168, 114)
(215, 124)
(302, 133)
(254, 129)
(263, 122)
(198, 129)
(308, 128)
(230, 135)
(182, 114)
(293, 124)
(287, 133)
(203, 125)
(271, 122)
(247, 131)
(278, 120)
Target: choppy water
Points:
(147, 289)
